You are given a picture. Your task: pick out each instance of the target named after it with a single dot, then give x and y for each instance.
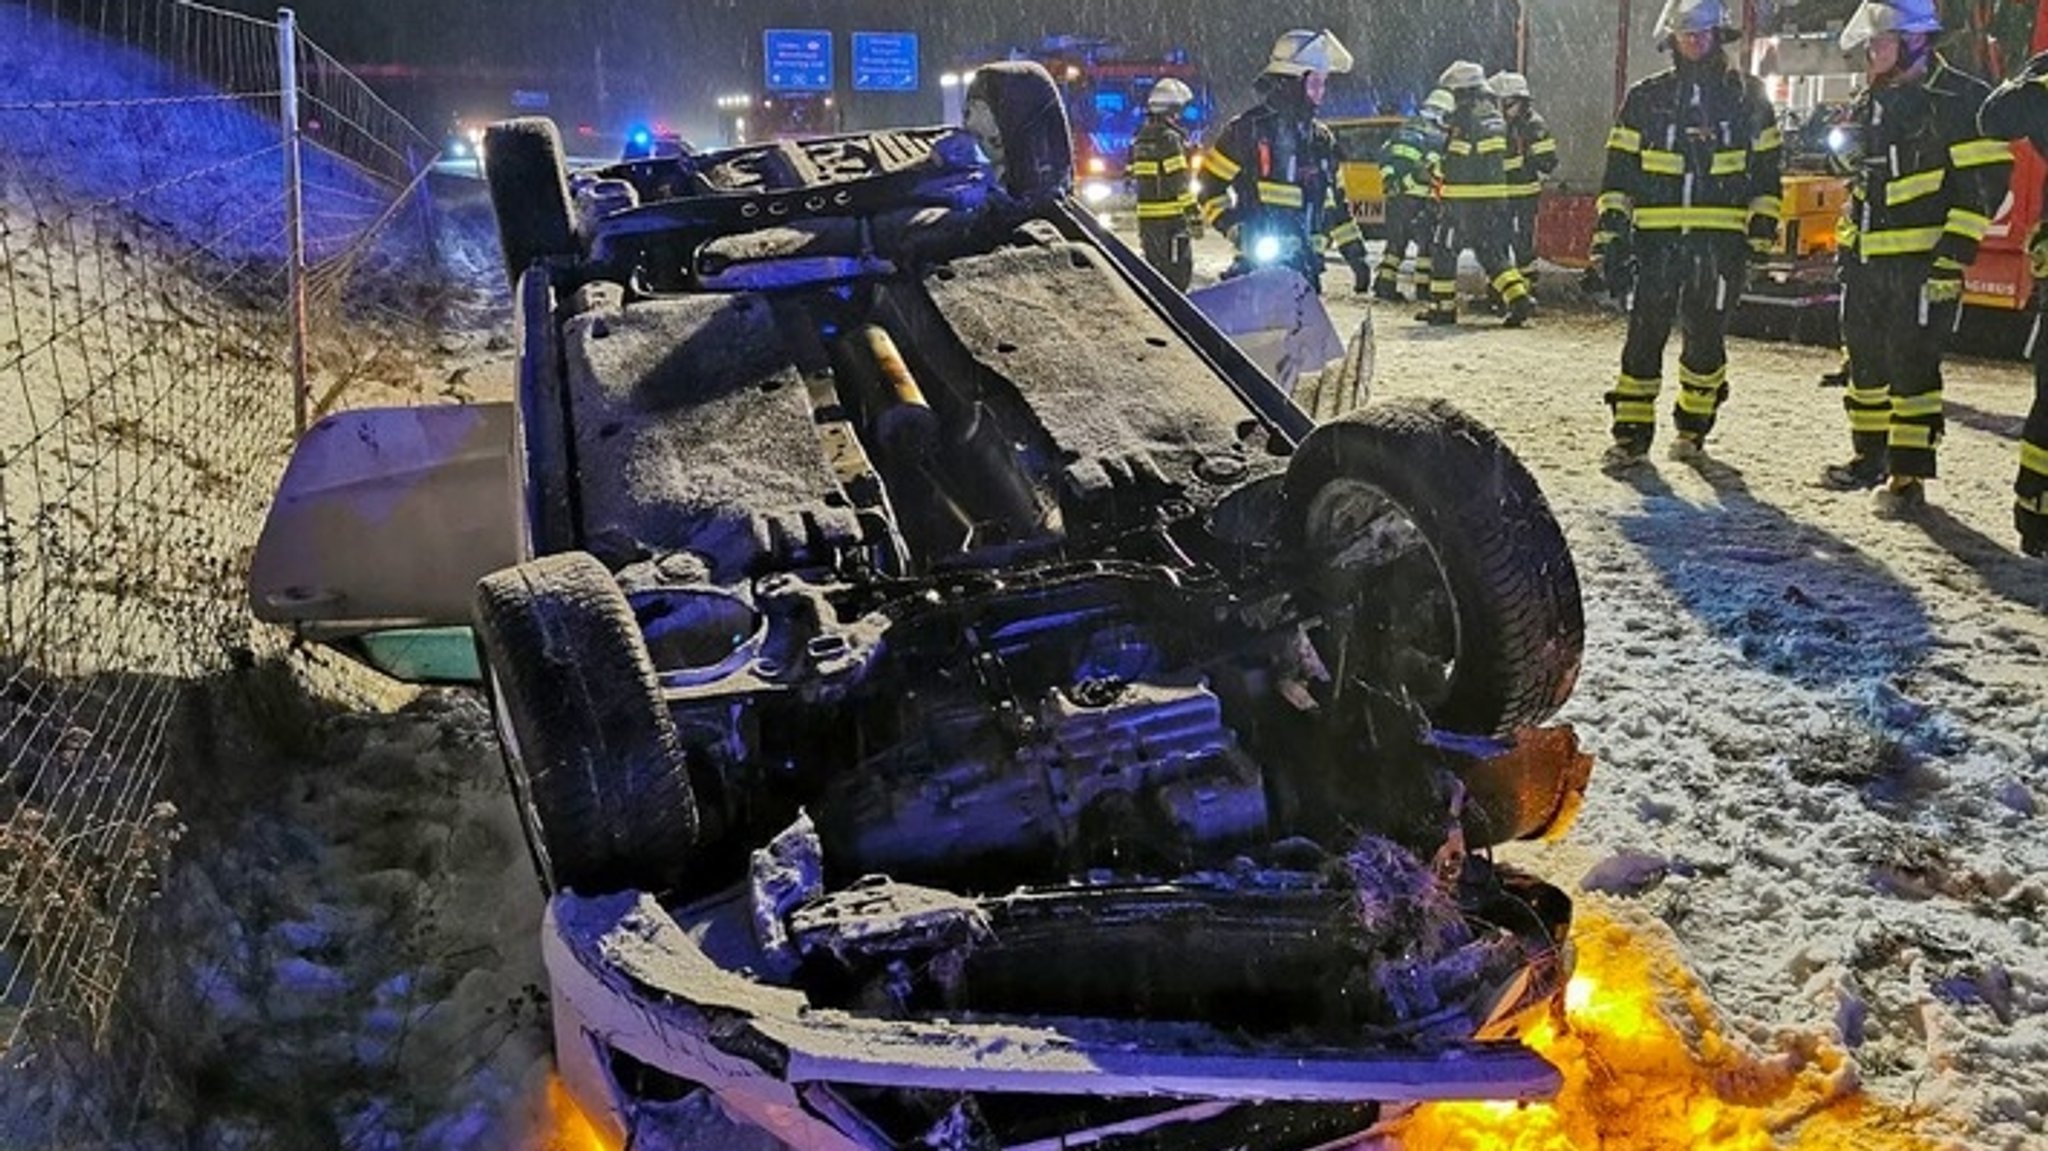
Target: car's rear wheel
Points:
(595, 755)
(529, 186)
(1014, 109)
(1435, 567)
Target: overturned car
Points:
(955, 697)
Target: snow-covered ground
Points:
(1821, 743)
(1821, 736)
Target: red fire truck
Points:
(1105, 89)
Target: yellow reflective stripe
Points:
(1880, 398)
(1185, 199)
(1661, 163)
(1625, 139)
(2038, 505)
(1144, 168)
(1213, 207)
(1768, 140)
(1529, 188)
(1474, 191)
(1635, 412)
(1698, 401)
(1543, 147)
(2034, 458)
(1493, 144)
(1861, 421)
(1910, 436)
(1170, 210)
(1729, 164)
(1711, 217)
(1907, 189)
(1512, 164)
(1280, 195)
(1460, 148)
(1627, 385)
(1613, 202)
(1347, 233)
(1899, 241)
(1501, 282)
(1221, 166)
(1710, 380)
(1909, 407)
(1964, 222)
(1770, 206)
(1174, 164)
(1977, 153)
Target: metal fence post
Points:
(294, 209)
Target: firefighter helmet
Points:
(1877, 17)
(1462, 76)
(1169, 96)
(1509, 85)
(1682, 16)
(1302, 51)
(1439, 103)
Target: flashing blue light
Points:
(1192, 113)
(642, 137)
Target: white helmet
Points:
(1169, 95)
(1439, 103)
(1509, 85)
(1462, 75)
(1680, 16)
(1301, 51)
(1876, 17)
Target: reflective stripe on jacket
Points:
(1928, 180)
(1693, 150)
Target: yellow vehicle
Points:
(1359, 140)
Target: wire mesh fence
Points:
(146, 410)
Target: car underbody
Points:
(957, 700)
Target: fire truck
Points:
(1105, 88)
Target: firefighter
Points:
(2017, 109)
(1924, 183)
(1277, 195)
(1532, 155)
(1474, 192)
(1409, 166)
(1166, 200)
(1689, 199)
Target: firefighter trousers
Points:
(1169, 249)
(2030, 513)
(1695, 281)
(1482, 227)
(1410, 220)
(1522, 234)
(1895, 338)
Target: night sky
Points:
(670, 59)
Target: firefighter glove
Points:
(1944, 283)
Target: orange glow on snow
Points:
(565, 1127)
(1648, 1066)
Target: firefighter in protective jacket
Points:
(1410, 163)
(1277, 195)
(1532, 155)
(1475, 194)
(1690, 197)
(1924, 183)
(1158, 169)
(2018, 109)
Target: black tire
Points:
(541, 421)
(1483, 625)
(1015, 109)
(595, 753)
(1343, 386)
(529, 186)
